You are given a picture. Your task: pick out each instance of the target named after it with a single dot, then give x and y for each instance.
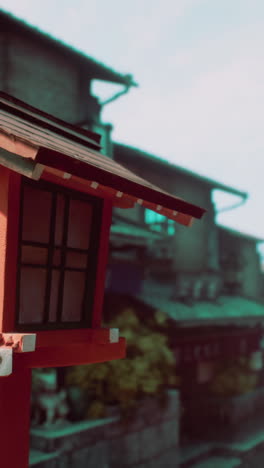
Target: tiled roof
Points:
(33, 137)
(225, 309)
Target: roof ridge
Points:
(126, 79)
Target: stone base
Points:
(149, 441)
(210, 416)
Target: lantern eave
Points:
(51, 144)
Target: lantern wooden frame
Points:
(40, 147)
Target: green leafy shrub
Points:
(148, 369)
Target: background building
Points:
(53, 77)
(207, 279)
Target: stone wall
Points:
(220, 413)
(150, 440)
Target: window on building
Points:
(58, 244)
(159, 223)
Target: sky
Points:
(200, 69)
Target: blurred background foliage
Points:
(148, 370)
(234, 377)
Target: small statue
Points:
(48, 404)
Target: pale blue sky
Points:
(200, 67)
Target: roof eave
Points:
(62, 162)
(68, 152)
(188, 173)
(94, 69)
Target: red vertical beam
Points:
(4, 185)
(4, 189)
(102, 264)
(11, 252)
(15, 418)
(15, 389)
(9, 211)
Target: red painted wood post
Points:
(102, 264)
(9, 215)
(15, 391)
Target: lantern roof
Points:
(32, 141)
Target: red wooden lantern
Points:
(56, 197)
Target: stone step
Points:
(191, 453)
(217, 462)
(38, 459)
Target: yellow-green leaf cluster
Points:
(147, 370)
